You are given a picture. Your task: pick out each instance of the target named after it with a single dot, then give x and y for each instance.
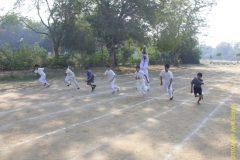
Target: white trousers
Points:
(68, 79)
(43, 80)
(141, 86)
(168, 90)
(113, 86)
(146, 80)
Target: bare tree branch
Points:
(38, 9)
(39, 32)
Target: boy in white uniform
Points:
(42, 80)
(111, 77)
(167, 77)
(70, 76)
(139, 76)
(144, 66)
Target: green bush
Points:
(191, 57)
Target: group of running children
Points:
(141, 75)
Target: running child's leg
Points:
(112, 86)
(116, 87)
(67, 79)
(170, 92)
(43, 81)
(75, 82)
(146, 80)
(200, 95)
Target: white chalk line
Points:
(67, 90)
(77, 124)
(46, 104)
(54, 113)
(184, 141)
(2, 127)
(134, 128)
(143, 123)
(61, 111)
(58, 101)
(33, 139)
(64, 93)
(65, 110)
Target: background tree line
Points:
(96, 32)
(223, 51)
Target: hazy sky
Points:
(223, 21)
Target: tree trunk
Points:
(102, 55)
(176, 55)
(56, 49)
(111, 52)
(115, 59)
(82, 59)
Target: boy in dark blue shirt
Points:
(196, 87)
(90, 78)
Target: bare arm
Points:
(160, 80)
(103, 77)
(191, 91)
(70, 67)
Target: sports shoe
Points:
(78, 88)
(93, 87)
(48, 86)
(69, 84)
(171, 98)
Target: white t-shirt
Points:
(140, 74)
(110, 74)
(69, 72)
(167, 76)
(40, 71)
(144, 62)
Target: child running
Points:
(111, 77)
(196, 87)
(42, 80)
(90, 78)
(167, 78)
(70, 76)
(139, 76)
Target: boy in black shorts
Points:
(197, 82)
(90, 78)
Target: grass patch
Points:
(17, 78)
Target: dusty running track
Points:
(61, 123)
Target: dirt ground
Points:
(61, 123)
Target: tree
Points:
(80, 38)
(226, 49)
(219, 54)
(238, 55)
(115, 21)
(61, 14)
(180, 23)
